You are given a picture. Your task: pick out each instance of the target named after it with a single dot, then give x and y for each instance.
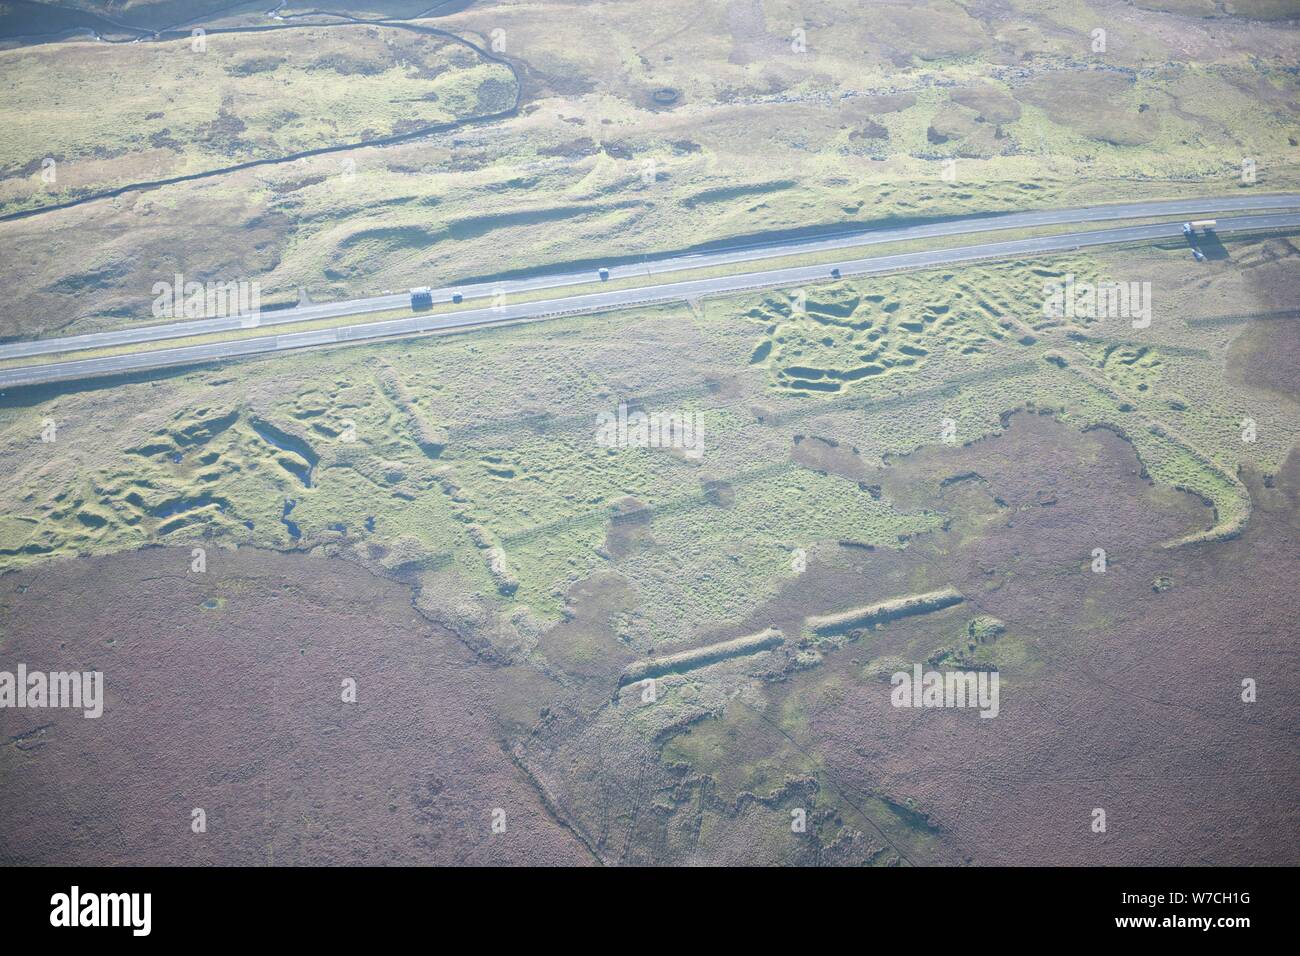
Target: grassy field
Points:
(246, 97)
(877, 365)
(596, 170)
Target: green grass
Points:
(1065, 127)
(111, 114)
(521, 463)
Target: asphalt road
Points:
(789, 277)
(748, 252)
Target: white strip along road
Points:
(617, 299)
(719, 257)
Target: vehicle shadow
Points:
(1212, 247)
